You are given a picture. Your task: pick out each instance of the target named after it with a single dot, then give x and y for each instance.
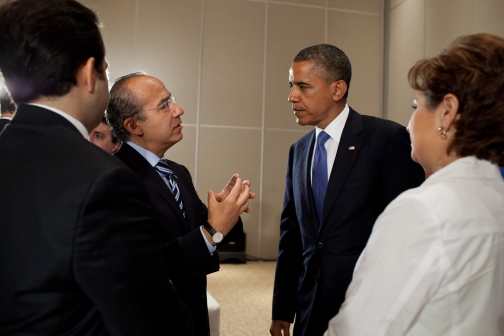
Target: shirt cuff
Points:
(211, 248)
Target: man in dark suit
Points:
(75, 257)
(7, 108)
(144, 115)
(340, 177)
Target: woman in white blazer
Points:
(434, 264)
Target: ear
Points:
(133, 126)
(339, 89)
(87, 75)
(116, 145)
(449, 111)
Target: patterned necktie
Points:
(319, 174)
(167, 175)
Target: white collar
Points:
(80, 126)
(335, 128)
(152, 158)
(463, 167)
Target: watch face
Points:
(217, 237)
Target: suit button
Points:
(320, 245)
(316, 278)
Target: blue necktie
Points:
(319, 174)
(167, 174)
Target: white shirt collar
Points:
(152, 158)
(464, 167)
(6, 118)
(335, 128)
(80, 126)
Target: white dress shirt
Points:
(334, 130)
(434, 264)
(153, 160)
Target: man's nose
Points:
(178, 111)
(293, 96)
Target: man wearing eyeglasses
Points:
(144, 115)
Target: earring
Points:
(443, 132)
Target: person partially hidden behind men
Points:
(145, 116)
(7, 108)
(79, 254)
(102, 137)
(340, 177)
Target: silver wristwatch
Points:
(216, 236)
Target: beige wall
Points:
(227, 62)
(416, 29)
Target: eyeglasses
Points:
(166, 104)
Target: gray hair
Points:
(123, 105)
(331, 63)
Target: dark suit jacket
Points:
(78, 251)
(320, 257)
(187, 257)
(3, 122)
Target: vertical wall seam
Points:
(425, 29)
(263, 122)
(135, 28)
(326, 28)
(198, 105)
(383, 46)
(472, 17)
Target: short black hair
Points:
(43, 44)
(104, 120)
(6, 104)
(331, 63)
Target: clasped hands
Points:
(225, 208)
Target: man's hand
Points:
(230, 185)
(278, 326)
(227, 189)
(223, 215)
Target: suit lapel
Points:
(345, 158)
(305, 155)
(149, 175)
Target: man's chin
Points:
(300, 122)
(176, 138)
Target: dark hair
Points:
(122, 105)
(472, 69)
(6, 104)
(43, 44)
(104, 120)
(330, 63)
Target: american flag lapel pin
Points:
(351, 148)
(175, 176)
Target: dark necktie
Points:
(164, 170)
(319, 174)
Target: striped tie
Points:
(167, 175)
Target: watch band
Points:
(216, 235)
(209, 228)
